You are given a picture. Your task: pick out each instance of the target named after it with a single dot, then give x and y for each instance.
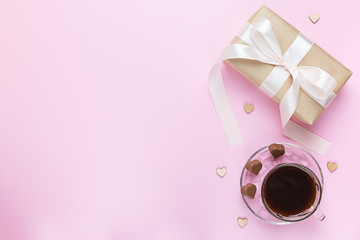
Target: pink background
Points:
(107, 129)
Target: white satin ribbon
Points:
(263, 46)
(223, 107)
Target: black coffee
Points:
(289, 190)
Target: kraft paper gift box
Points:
(308, 110)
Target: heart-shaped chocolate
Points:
(242, 221)
(276, 150)
(221, 171)
(248, 190)
(332, 166)
(248, 108)
(254, 166)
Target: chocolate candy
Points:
(254, 166)
(248, 190)
(276, 150)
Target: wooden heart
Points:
(314, 17)
(248, 108)
(332, 166)
(221, 171)
(242, 221)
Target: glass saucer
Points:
(293, 154)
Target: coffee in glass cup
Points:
(289, 185)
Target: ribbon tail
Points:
(294, 131)
(289, 102)
(306, 138)
(223, 107)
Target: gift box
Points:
(308, 110)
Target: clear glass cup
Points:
(294, 156)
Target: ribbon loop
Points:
(316, 82)
(264, 27)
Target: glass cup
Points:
(294, 156)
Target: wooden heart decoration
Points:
(248, 108)
(242, 221)
(314, 17)
(332, 166)
(221, 171)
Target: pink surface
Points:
(107, 130)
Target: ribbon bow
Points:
(264, 47)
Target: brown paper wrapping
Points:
(308, 110)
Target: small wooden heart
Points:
(332, 166)
(314, 17)
(242, 221)
(248, 108)
(221, 171)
